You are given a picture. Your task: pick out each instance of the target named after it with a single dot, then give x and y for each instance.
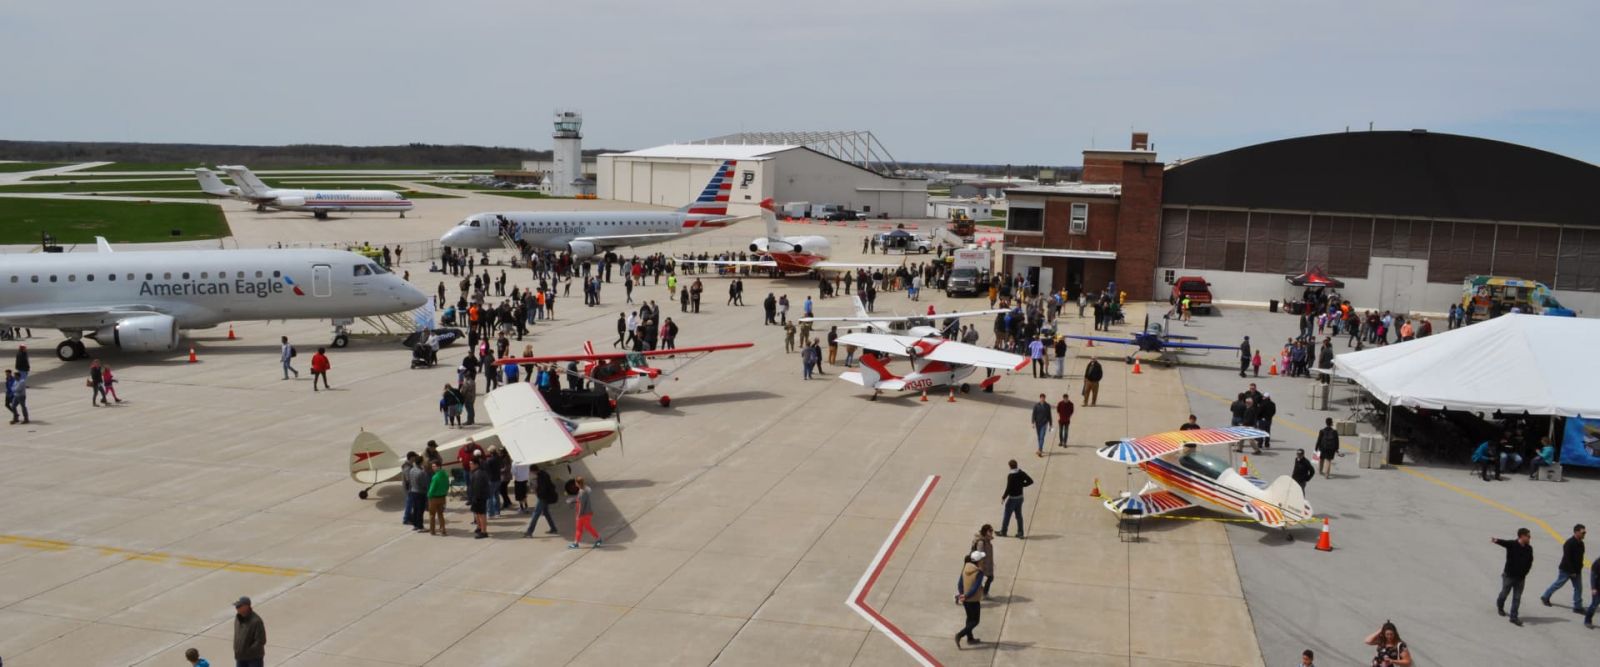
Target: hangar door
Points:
(669, 184)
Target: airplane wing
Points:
(947, 351)
(608, 356)
(1149, 502)
(627, 239)
(763, 263)
(1133, 451)
(71, 317)
(528, 429)
(1103, 339)
(1199, 346)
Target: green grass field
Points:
(164, 195)
(175, 185)
(13, 167)
(79, 221)
(179, 166)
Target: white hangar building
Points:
(849, 169)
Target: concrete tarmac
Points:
(736, 522)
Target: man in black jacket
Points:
(1327, 447)
(1269, 409)
(544, 494)
(1570, 569)
(1016, 481)
(1041, 421)
(249, 635)
(1244, 355)
(479, 487)
(1519, 560)
(1091, 382)
(1303, 472)
(1252, 415)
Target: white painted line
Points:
(858, 597)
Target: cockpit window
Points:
(362, 270)
(375, 269)
(634, 360)
(472, 223)
(569, 425)
(1209, 466)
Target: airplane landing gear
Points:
(666, 401)
(1127, 359)
(966, 388)
(320, 215)
(362, 494)
(70, 350)
(341, 334)
(261, 208)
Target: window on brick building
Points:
(1025, 219)
(1080, 219)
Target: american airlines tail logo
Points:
(290, 282)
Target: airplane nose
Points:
(412, 297)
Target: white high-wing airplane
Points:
(588, 233)
(140, 300)
(523, 424)
(318, 202)
(212, 185)
(934, 363)
(921, 326)
(789, 254)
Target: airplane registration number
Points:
(919, 384)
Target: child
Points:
(193, 656)
(1306, 658)
(109, 382)
(1255, 363)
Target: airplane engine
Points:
(581, 249)
(142, 333)
(759, 246)
(290, 201)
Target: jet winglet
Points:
(101, 243)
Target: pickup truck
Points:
(1198, 291)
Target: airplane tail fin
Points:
(713, 199)
(1289, 498)
(371, 459)
(211, 185)
(247, 181)
(874, 370)
(861, 310)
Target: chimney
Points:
(1141, 141)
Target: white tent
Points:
(1539, 364)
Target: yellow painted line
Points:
(538, 602)
(152, 557)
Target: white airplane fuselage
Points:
(167, 291)
(333, 200)
(583, 233)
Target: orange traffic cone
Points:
(1136, 370)
(952, 394)
(1272, 369)
(924, 396)
(1091, 343)
(1325, 541)
(230, 332)
(1095, 492)
(192, 358)
(1244, 468)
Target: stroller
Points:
(424, 356)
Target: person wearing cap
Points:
(249, 635)
(969, 593)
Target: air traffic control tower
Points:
(567, 155)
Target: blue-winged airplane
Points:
(1155, 339)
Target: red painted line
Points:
(858, 597)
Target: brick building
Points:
(1083, 235)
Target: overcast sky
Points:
(993, 81)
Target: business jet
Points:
(139, 301)
(319, 202)
(524, 425)
(588, 233)
(789, 254)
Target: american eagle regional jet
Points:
(139, 301)
(589, 233)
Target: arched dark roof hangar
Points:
(1405, 173)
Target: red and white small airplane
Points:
(1173, 460)
(523, 424)
(789, 254)
(629, 372)
(921, 326)
(935, 362)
